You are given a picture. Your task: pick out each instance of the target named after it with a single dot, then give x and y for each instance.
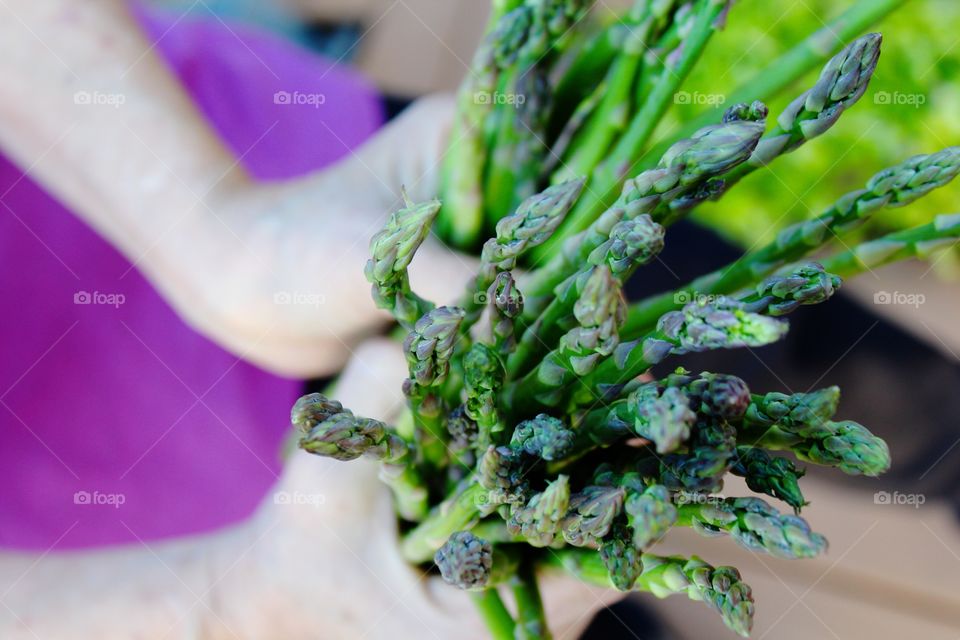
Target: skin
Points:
(155, 181)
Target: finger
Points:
(406, 153)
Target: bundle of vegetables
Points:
(535, 435)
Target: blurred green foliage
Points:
(911, 107)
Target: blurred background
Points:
(894, 565)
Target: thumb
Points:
(407, 152)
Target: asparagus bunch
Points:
(542, 432)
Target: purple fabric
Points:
(118, 399)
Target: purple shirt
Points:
(117, 421)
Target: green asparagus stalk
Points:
(494, 612)
(650, 514)
(804, 284)
(721, 588)
(701, 325)
(649, 19)
(803, 58)
(543, 437)
(392, 250)
(428, 348)
(842, 83)
(753, 524)
(622, 559)
(718, 395)
(591, 515)
(845, 445)
(792, 412)
(919, 242)
(683, 171)
(662, 416)
(506, 305)
(462, 219)
(631, 244)
(893, 187)
(472, 564)
(343, 436)
(598, 312)
(538, 520)
(482, 380)
(312, 409)
(772, 475)
(712, 452)
(459, 512)
(530, 225)
(607, 178)
(520, 139)
(531, 618)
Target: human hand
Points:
(272, 272)
(290, 293)
(326, 562)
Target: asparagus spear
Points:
(720, 588)
(544, 437)
(772, 475)
(462, 219)
(803, 58)
(531, 618)
(428, 348)
(845, 445)
(647, 20)
(650, 515)
(591, 515)
(701, 325)
(792, 412)
(893, 187)
(919, 242)
(804, 284)
(607, 178)
(506, 305)
(631, 243)
(842, 83)
(682, 173)
(712, 452)
(520, 145)
(472, 564)
(621, 558)
(660, 415)
(538, 520)
(754, 524)
(392, 249)
(599, 312)
(343, 436)
(531, 224)
(482, 380)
